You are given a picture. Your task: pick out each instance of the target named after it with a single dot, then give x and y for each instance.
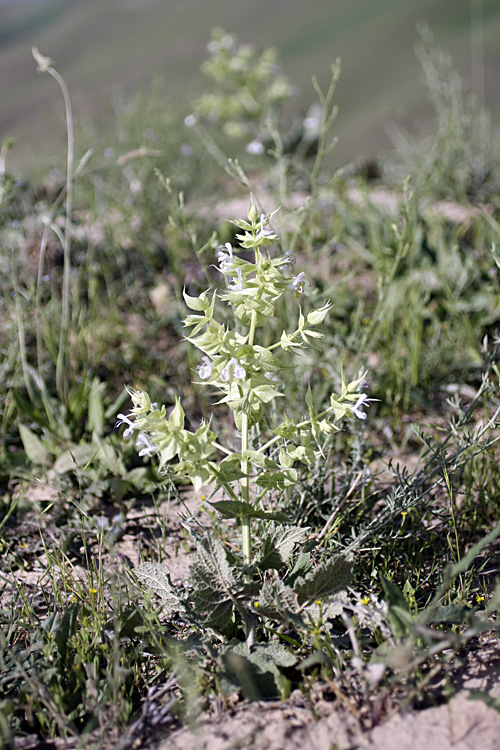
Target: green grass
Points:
(411, 494)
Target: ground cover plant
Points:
(305, 491)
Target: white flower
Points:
(225, 255)
(255, 147)
(227, 41)
(363, 399)
(288, 260)
(190, 120)
(236, 285)
(122, 419)
(238, 370)
(264, 233)
(148, 449)
(298, 283)
(205, 369)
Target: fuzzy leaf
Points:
(256, 671)
(278, 602)
(215, 586)
(329, 609)
(277, 547)
(276, 480)
(157, 577)
(328, 578)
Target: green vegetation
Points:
(343, 543)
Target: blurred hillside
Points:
(102, 47)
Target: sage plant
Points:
(245, 375)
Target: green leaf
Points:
(34, 448)
(265, 393)
(451, 614)
(278, 545)
(157, 578)
(276, 480)
(216, 589)
(329, 609)
(399, 616)
(108, 457)
(329, 577)
(95, 420)
(277, 601)
(301, 566)
(310, 402)
(237, 509)
(256, 672)
(286, 460)
(66, 628)
(76, 457)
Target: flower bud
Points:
(252, 214)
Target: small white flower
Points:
(190, 120)
(143, 440)
(298, 283)
(205, 369)
(255, 147)
(363, 399)
(272, 376)
(236, 285)
(263, 232)
(225, 255)
(213, 47)
(288, 260)
(227, 41)
(122, 419)
(238, 370)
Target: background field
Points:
(103, 47)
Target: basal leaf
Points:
(76, 457)
(278, 602)
(328, 578)
(278, 545)
(157, 578)
(34, 448)
(256, 671)
(216, 589)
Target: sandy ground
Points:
(466, 722)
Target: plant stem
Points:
(246, 537)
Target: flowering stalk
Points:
(246, 377)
